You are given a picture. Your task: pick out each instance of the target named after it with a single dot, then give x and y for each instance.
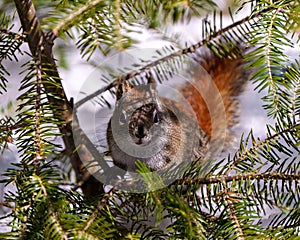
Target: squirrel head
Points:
(140, 111)
(142, 128)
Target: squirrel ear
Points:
(150, 78)
(122, 87)
(151, 81)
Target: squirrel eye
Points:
(122, 118)
(156, 116)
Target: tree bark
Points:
(37, 40)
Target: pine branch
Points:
(268, 58)
(26, 218)
(232, 212)
(295, 101)
(179, 53)
(101, 204)
(224, 204)
(118, 24)
(9, 125)
(241, 156)
(3, 79)
(38, 140)
(84, 235)
(240, 177)
(13, 35)
(293, 77)
(5, 204)
(76, 16)
(157, 13)
(52, 222)
(10, 43)
(5, 132)
(55, 93)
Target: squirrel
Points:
(159, 131)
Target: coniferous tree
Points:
(227, 202)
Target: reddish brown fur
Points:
(229, 76)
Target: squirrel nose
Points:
(140, 131)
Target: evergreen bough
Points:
(229, 202)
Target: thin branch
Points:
(51, 209)
(181, 52)
(100, 206)
(268, 57)
(85, 177)
(242, 156)
(247, 176)
(209, 216)
(10, 127)
(294, 99)
(37, 138)
(277, 205)
(5, 204)
(75, 16)
(16, 37)
(25, 219)
(285, 228)
(85, 235)
(13, 34)
(24, 227)
(232, 213)
(270, 201)
(118, 25)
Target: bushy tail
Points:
(229, 76)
